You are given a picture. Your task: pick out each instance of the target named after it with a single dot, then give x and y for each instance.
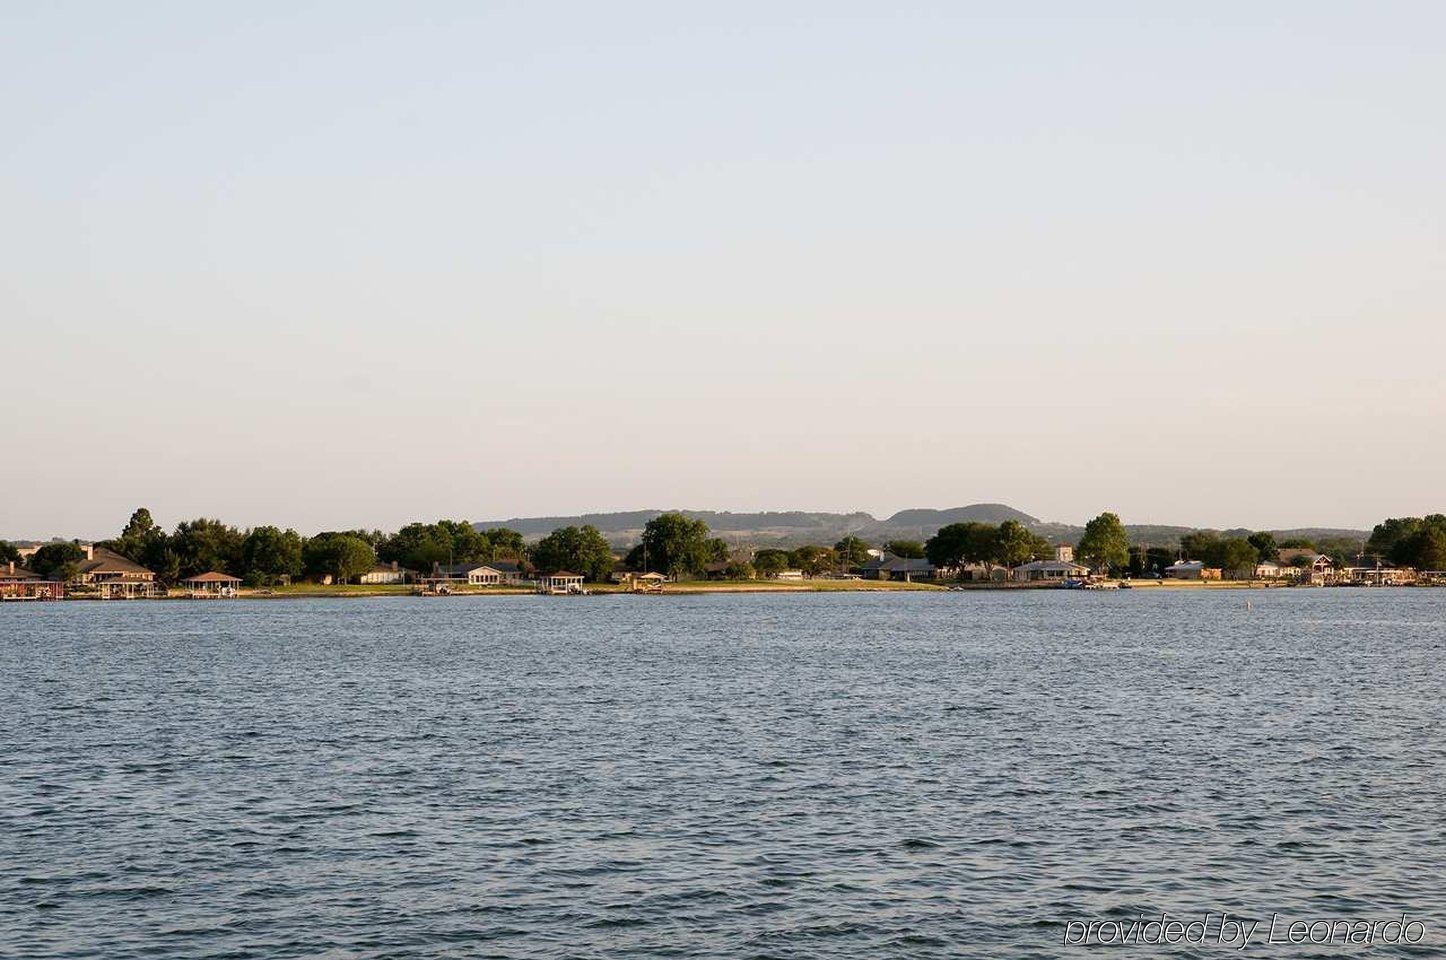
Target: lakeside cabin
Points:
(18, 583)
(211, 585)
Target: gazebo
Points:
(211, 585)
(563, 581)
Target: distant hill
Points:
(792, 528)
(782, 528)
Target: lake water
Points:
(845, 775)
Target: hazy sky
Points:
(350, 264)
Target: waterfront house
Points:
(1315, 568)
(1048, 570)
(1322, 570)
(18, 583)
(479, 574)
(211, 585)
(1186, 570)
(788, 575)
(1269, 570)
(113, 576)
(1379, 576)
(974, 572)
(388, 573)
(889, 567)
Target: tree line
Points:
(680, 546)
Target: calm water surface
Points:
(851, 775)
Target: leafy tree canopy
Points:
(909, 549)
(676, 545)
(270, 556)
(1105, 545)
(813, 560)
(852, 551)
(342, 556)
(58, 561)
(205, 544)
(578, 549)
(1266, 549)
(1018, 544)
(769, 562)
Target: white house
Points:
(1268, 570)
(479, 574)
(388, 573)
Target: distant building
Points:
(890, 567)
(1064, 553)
(388, 573)
(973, 572)
(1269, 570)
(1322, 570)
(479, 574)
(1040, 570)
(113, 576)
(1379, 576)
(1186, 570)
(788, 575)
(18, 583)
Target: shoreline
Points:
(701, 587)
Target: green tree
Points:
(9, 553)
(342, 556)
(1205, 546)
(1266, 549)
(960, 543)
(270, 556)
(770, 562)
(676, 544)
(908, 549)
(813, 560)
(580, 549)
(981, 544)
(1429, 547)
(1105, 545)
(58, 561)
(851, 551)
(740, 570)
(137, 537)
(1386, 538)
(505, 544)
(1238, 557)
(1018, 544)
(204, 544)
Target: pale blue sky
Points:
(352, 264)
